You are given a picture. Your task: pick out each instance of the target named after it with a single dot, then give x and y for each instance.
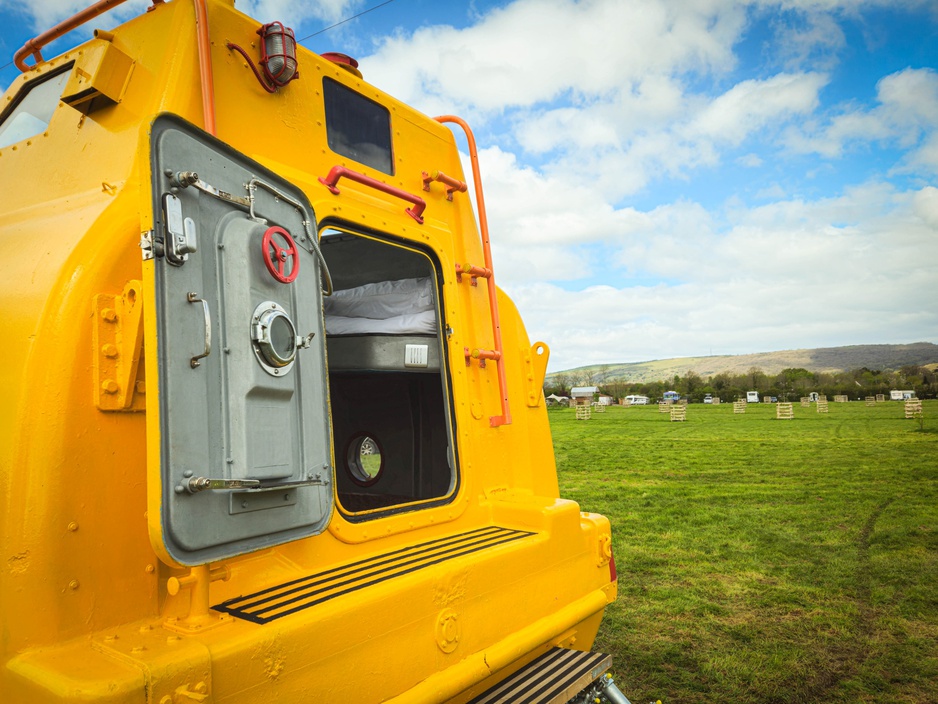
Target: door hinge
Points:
(146, 244)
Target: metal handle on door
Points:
(193, 297)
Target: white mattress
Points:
(403, 307)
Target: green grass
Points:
(765, 560)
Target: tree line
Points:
(787, 385)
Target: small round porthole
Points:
(274, 337)
(364, 460)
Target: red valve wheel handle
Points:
(275, 256)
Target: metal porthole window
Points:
(364, 460)
(274, 337)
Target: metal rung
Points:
(554, 678)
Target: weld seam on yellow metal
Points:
(461, 676)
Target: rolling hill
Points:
(824, 359)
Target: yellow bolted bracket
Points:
(535, 370)
(118, 342)
(196, 582)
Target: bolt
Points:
(110, 351)
(109, 314)
(72, 527)
(109, 386)
(73, 585)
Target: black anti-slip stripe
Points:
(543, 678)
(255, 618)
(386, 575)
(479, 539)
(533, 671)
(354, 565)
(372, 569)
(551, 687)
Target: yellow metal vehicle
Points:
(270, 433)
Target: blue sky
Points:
(670, 177)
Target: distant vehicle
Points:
(752, 396)
(708, 398)
(636, 400)
(672, 396)
(903, 395)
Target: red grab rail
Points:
(337, 172)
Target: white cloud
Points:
(622, 144)
(534, 51)
(906, 115)
(754, 104)
(752, 161)
(788, 274)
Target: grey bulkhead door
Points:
(244, 430)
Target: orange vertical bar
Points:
(505, 417)
(205, 66)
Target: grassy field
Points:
(765, 560)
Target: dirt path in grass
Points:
(846, 661)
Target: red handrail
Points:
(337, 172)
(34, 46)
(505, 417)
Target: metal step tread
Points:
(553, 678)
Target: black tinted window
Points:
(357, 127)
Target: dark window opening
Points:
(388, 386)
(357, 127)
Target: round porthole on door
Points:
(274, 338)
(364, 460)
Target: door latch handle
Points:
(197, 484)
(193, 297)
